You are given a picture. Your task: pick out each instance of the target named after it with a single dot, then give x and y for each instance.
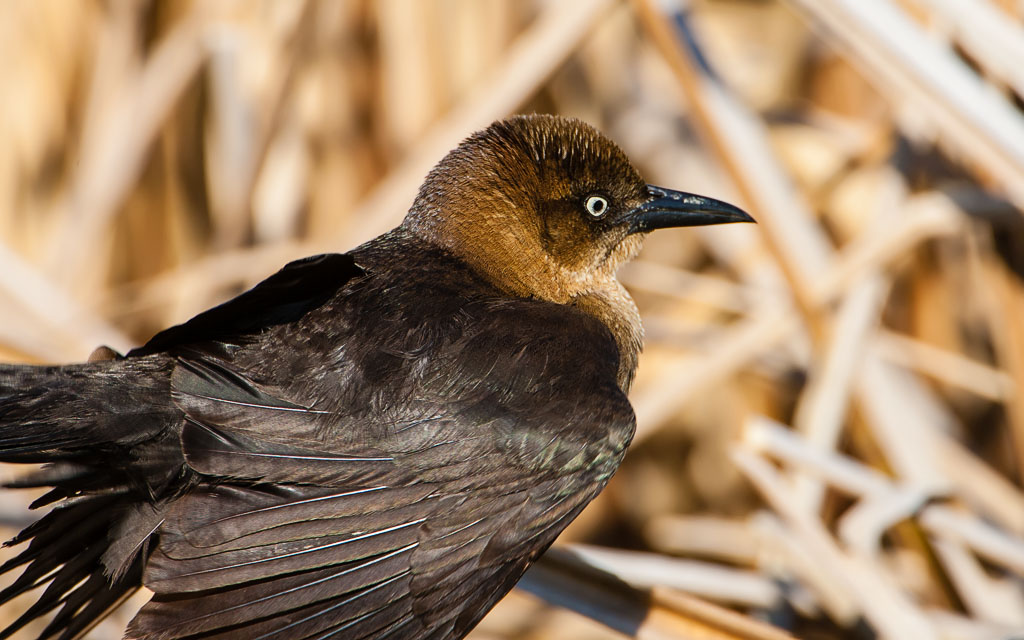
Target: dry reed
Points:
(831, 404)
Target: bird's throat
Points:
(614, 307)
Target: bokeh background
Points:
(831, 402)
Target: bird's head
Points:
(548, 207)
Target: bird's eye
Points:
(596, 206)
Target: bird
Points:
(366, 445)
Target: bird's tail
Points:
(76, 412)
(91, 424)
(64, 553)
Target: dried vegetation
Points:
(831, 403)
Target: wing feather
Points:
(414, 529)
(333, 594)
(219, 452)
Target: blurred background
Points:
(830, 404)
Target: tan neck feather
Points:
(507, 253)
(522, 268)
(613, 306)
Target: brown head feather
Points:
(511, 201)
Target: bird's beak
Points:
(667, 208)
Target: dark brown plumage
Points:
(365, 445)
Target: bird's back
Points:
(377, 454)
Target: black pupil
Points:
(597, 205)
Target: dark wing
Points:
(297, 288)
(110, 432)
(416, 536)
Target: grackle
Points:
(374, 444)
